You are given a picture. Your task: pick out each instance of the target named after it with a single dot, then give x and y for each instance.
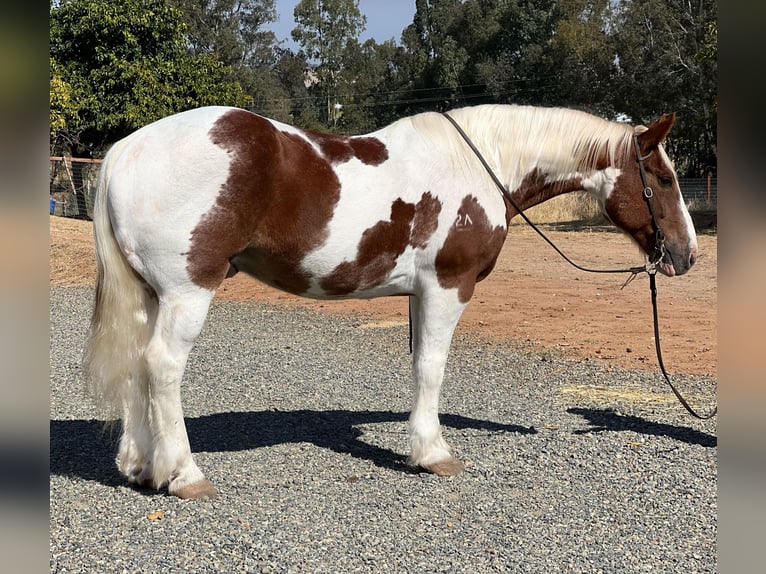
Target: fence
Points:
(700, 194)
(73, 182)
(72, 185)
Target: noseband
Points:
(650, 268)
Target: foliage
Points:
(63, 109)
(126, 64)
(236, 32)
(581, 52)
(326, 30)
(116, 66)
(666, 62)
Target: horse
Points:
(407, 210)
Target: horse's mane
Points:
(514, 137)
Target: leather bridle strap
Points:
(648, 195)
(658, 348)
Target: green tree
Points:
(581, 56)
(475, 51)
(325, 29)
(369, 86)
(127, 64)
(435, 60)
(666, 53)
(236, 32)
(63, 109)
(517, 70)
(296, 105)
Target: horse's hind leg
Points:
(434, 318)
(179, 321)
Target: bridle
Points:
(648, 194)
(650, 268)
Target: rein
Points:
(650, 268)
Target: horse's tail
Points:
(119, 327)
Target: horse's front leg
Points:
(434, 317)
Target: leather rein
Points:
(650, 268)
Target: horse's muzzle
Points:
(678, 261)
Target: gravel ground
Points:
(300, 420)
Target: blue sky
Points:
(385, 19)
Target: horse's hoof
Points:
(197, 490)
(449, 467)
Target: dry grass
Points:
(628, 395)
(568, 207)
(72, 255)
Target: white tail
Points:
(119, 328)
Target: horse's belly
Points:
(340, 279)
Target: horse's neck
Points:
(546, 164)
(537, 187)
(536, 153)
(536, 171)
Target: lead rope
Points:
(691, 411)
(650, 268)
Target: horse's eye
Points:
(665, 181)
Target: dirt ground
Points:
(533, 299)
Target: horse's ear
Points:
(656, 133)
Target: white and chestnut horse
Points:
(189, 200)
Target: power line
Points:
(348, 99)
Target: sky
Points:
(385, 19)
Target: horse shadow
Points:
(87, 448)
(605, 420)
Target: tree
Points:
(435, 60)
(475, 51)
(324, 31)
(127, 64)
(297, 102)
(235, 30)
(369, 85)
(518, 69)
(666, 51)
(63, 108)
(581, 56)
(236, 33)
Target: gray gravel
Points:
(300, 420)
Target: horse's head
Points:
(646, 202)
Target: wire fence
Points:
(73, 184)
(700, 194)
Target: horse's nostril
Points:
(692, 257)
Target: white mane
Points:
(516, 139)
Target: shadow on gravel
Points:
(605, 420)
(82, 448)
